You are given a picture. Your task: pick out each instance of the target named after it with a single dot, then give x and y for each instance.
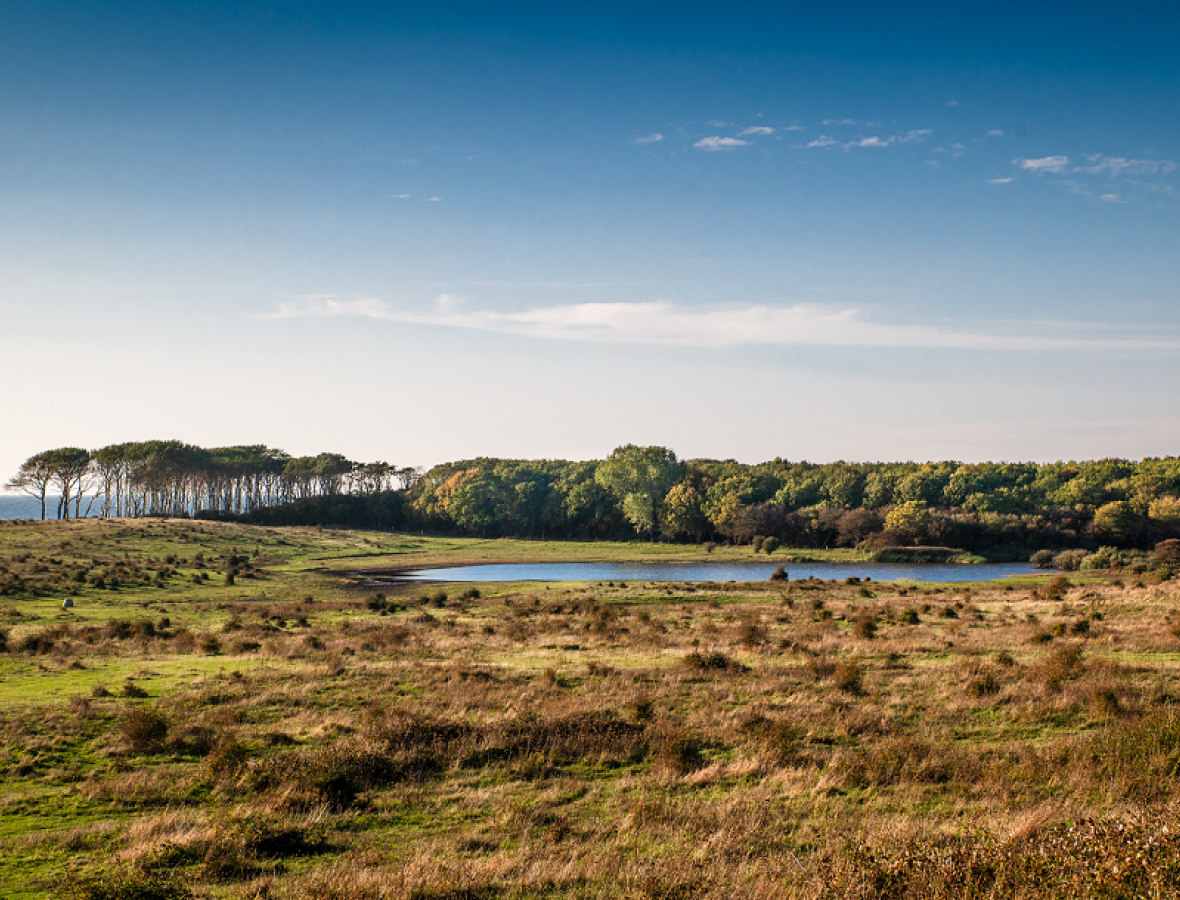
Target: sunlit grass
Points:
(568, 740)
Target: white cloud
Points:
(869, 142)
(757, 129)
(1044, 164)
(717, 123)
(447, 302)
(1117, 165)
(434, 199)
(400, 196)
(916, 135)
(663, 323)
(839, 122)
(1112, 198)
(319, 306)
(1000, 180)
(649, 138)
(952, 103)
(716, 142)
(996, 132)
(823, 141)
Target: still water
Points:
(719, 571)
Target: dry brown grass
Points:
(719, 741)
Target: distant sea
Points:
(18, 506)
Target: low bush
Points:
(679, 752)
(848, 676)
(127, 884)
(145, 729)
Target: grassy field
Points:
(293, 734)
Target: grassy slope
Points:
(550, 740)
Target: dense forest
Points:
(1001, 509)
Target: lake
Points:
(709, 571)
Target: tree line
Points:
(1007, 507)
(999, 508)
(172, 478)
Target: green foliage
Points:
(1002, 509)
(1042, 559)
(911, 519)
(1117, 523)
(642, 478)
(1103, 558)
(1069, 560)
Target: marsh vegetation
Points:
(297, 734)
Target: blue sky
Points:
(424, 232)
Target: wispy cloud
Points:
(400, 196)
(434, 199)
(823, 141)
(996, 132)
(840, 122)
(756, 129)
(1118, 165)
(716, 142)
(663, 323)
(326, 306)
(913, 136)
(649, 138)
(1000, 180)
(1044, 164)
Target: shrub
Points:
(1104, 703)
(909, 617)
(1063, 663)
(145, 729)
(1103, 558)
(1056, 588)
(983, 686)
(756, 542)
(751, 634)
(131, 691)
(715, 662)
(779, 574)
(848, 676)
(642, 709)
(679, 752)
(1042, 559)
(1166, 554)
(127, 884)
(865, 627)
(770, 545)
(1069, 560)
(228, 757)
